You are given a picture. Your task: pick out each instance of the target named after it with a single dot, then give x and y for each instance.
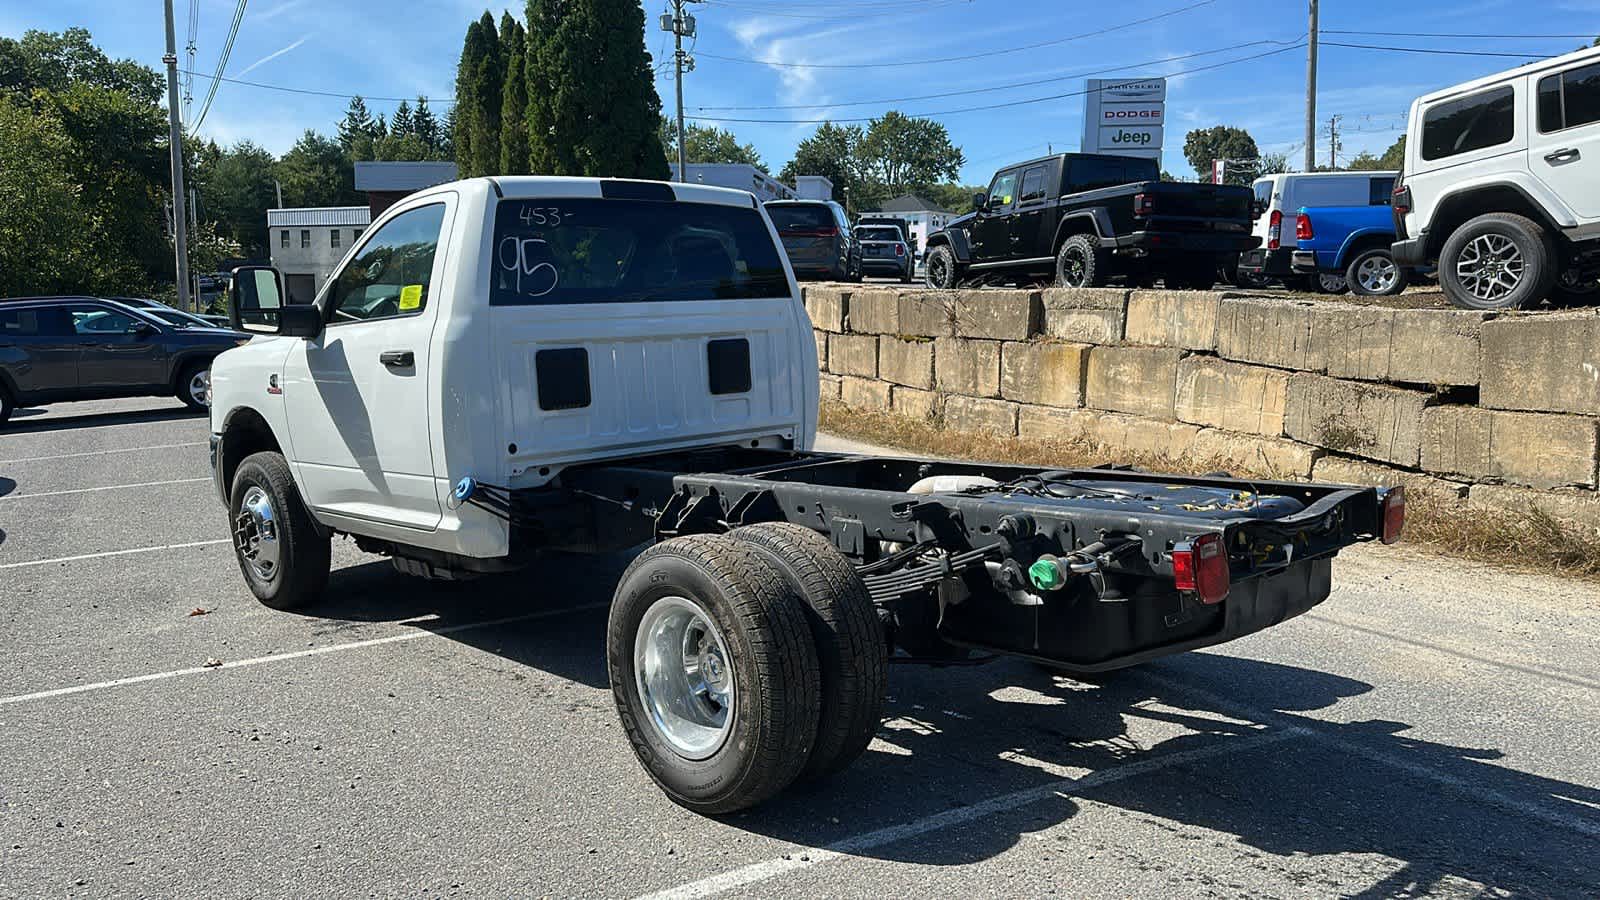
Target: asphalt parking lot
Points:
(1432, 729)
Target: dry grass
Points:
(1532, 541)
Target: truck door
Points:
(360, 425)
(1033, 223)
(1564, 145)
(991, 227)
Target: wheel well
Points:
(187, 363)
(243, 432)
(1367, 242)
(1072, 226)
(1460, 208)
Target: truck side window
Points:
(1381, 191)
(1088, 173)
(1004, 190)
(1569, 99)
(1032, 185)
(390, 275)
(1471, 123)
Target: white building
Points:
(923, 217)
(741, 176)
(307, 243)
(813, 187)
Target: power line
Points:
(1004, 87)
(1444, 34)
(222, 62)
(984, 55)
(1437, 52)
(189, 52)
(855, 11)
(1013, 103)
(309, 92)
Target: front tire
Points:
(1374, 273)
(1082, 263)
(194, 386)
(1498, 261)
(1329, 283)
(943, 272)
(285, 560)
(713, 672)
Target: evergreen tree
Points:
(461, 125)
(357, 124)
(380, 128)
(592, 103)
(401, 123)
(514, 99)
(479, 80)
(424, 125)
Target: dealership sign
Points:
(1125, 116)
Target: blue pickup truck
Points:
(1351, 242)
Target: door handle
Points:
(1561, 156)
(398, 359)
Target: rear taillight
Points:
(1143, 204)
(1401, 199)
(1275, 230)
(899, 249)
(1302, 228)
(1394, 514)
(1200, 567)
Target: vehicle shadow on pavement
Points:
(1439, 813)
(90, 420)
(7, 485)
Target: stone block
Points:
(1253, 454)
(1043, 372)
(1120, 438)
(1136, 380)
(864, 393)
(1343, 470)
(906, 362)
(1184, 319)
(966, 367)
(873, 312)
(1580, 507)
(1535, 449)
(975, 414)
(822, 350)
(1056, 425)
(1090, 315)
(1367, 420)
(927, 314)
(853, 354)
(830, 386)
(996, 315)
(1268, 332)
(826, 307)
(1543, 362)
(1437, 346)
(923, 406)
(1349, 341)
(1233, 396)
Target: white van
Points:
(1280, 196)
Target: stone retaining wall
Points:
(1496, 411)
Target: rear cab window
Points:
(591, 250)
(1381, 191)
(1477, 122)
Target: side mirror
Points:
(980, 201)
(256, 305)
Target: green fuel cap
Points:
(1047, 574)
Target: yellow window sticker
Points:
(411, 297)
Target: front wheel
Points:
(943, 271)
(284, 559)
(194, 386)
(1498, 261)
(1374, 273)
(1329, 283)
(713, 672)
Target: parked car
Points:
(896, 221)
(817, 238)
(1499, 185)
(885, 251)
(175, 317)
(1277, 199)
(1086, 218)
(60, 349)
(1350, 243)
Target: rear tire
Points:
(1498, 261)
(1327, 283)
(850, 643)
(1374, 273)
(1082, 263)
(1570, 290)
(285, 560)
(744, 640)
(943, 272)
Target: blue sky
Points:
(387, 49)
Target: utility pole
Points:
(180, 224)
(1333, 141)
(1311, 91)
(681, 24)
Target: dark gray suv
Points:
(58, 349)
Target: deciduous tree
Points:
(830, 151)
(1204, 145)
(707, 145)
(901, 153)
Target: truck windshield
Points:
(580, 250)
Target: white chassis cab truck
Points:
(501, 367)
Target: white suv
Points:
(1501, 185)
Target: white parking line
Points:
(132, 550)
(109, 487)
(102, 452)
(298, 654)
(803, 857)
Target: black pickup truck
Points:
(1086, 218)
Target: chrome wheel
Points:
(1490, 266)
(255, 534)
(1377, 274)
(200, 387)
(684, 676)
(1332, 284)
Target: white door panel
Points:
(1564, 142)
